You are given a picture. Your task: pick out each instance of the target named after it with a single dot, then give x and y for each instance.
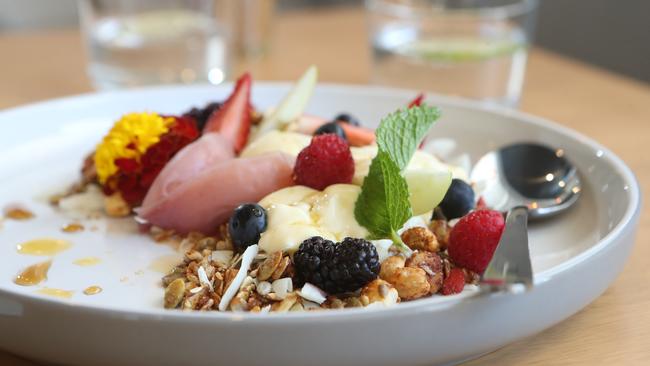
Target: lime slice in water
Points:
(459, 49)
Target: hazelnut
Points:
(410, 283)
(420, 238)
(431, 264)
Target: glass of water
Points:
(469, 48)
(146, 42)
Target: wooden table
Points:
(614, 329)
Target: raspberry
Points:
(326, 161)
(454, 283)
(474, 238)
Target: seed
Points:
(269, 265)
(174, 293)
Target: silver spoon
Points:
(527, 174)
(529, 181)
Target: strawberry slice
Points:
(417, 101)
(233, 119)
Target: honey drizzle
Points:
(87, 261)
(44, 246)
(34, 274)
(73, 227)
(55, 292)
(92, 290)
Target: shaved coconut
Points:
(264, 288)
(382, 247)
(196, 290)
(312, 293)
(265, 309)
(203, 278)
(222, 256)
(282, 287)
(231, 291)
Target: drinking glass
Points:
(469, 48)
(144, 42)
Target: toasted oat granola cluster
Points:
(208, 271)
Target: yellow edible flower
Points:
(129, 138)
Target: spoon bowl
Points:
(527, 174)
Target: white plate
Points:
(575, 256)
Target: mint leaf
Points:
(383, 204)
(400, 133)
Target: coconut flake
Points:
(313, 293)
(231, 291)
(282, 287)
(203, 278)
(222, 256)
(196, 290)
(382, 246)
(264, 288)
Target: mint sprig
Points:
(380, 206)
(401, 132)
(383, 205)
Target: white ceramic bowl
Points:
(575, 257)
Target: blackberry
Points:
(309, 260)
(458, 201)
(336, 268)
(201, 115)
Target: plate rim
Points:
(629, 218)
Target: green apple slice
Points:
(293, 104)
(426, 188)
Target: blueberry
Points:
(458, 201)
(331, 127)
(246, 224)
(347, 118)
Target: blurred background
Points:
(477, 49)
(611, 34)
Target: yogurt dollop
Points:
(298, 213)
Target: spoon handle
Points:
(510, 266)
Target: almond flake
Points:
(312, 293)
(233, 288)
(203, 278)
(282, 287)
